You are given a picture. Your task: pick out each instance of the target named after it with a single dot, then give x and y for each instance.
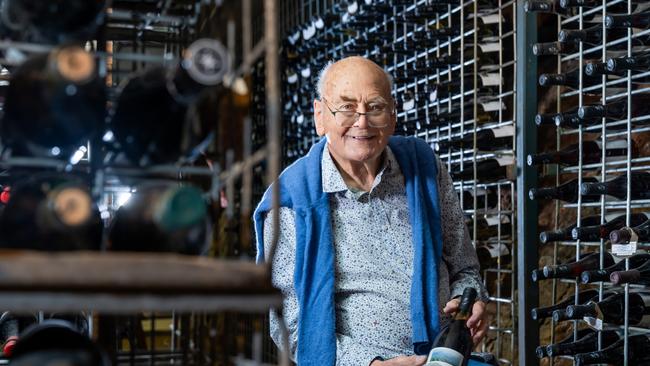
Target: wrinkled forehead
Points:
(358, 78)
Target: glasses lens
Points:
(346, 118)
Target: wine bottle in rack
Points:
(639, 275)
(636, 63)
(547, 6)
(591, 153)
(546, 312)
(587, 342)
(485, 198)
(150, 120)
(54, 104)
(565, 233)
(617, 187)
(593, 36)
(636, 20)
(638, 346)
(616, 109)
(488, 139)
(490, 254)
(572, 270)
(567, 192)
(52, 213)
(604, 274)
(597, 232)
(455, 341)
(624, 235)
(611, 309)
(487, 170)
(161, 217)
(569, 79)
(596, 68)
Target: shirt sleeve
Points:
(282, 277)
(458, 252)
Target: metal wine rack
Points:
(185, 320)
(484, 67)
(630, 127)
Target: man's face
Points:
(355, 84)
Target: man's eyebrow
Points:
(347, 98)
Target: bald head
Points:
(335, 72)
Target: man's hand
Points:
(477, 323)
(402, 361)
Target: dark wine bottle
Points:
(61, 21)
(636, 20)
(636, 63)
(591, 153)
(593, 36)
(151, 123)
(587, 342)
(570, 79)
(594, 69)
(638, 346)
(161, 218)
(490, 254)
(624, 235)
(616, 109)
(54, 104)
(547, 6)
(638, 275)
(604, 274)
(573, 269)
(597, 232)
(454, 343)
(487, 139)
(486, 170)
(567, 192)
(51, 213)
(617, 187)
(546, 312)
(611, 309)
(565, 233)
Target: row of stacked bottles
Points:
(112, 136)
(453, 67)
(594, 185)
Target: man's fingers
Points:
(407, 361)
(451, 306)
(480, 332)
(478, 312)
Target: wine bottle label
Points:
(504, 131)
(442, 356)
(626, 250)
(306, 72)
(490, 79)
(493, 106)
(594, 323)
(498, 250)
(490, 19)
(490, 47)
(493, 220)
(505, 160)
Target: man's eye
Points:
(347, 107)
(377, 107)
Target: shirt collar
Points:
(333, 180)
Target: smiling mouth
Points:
(361, 138)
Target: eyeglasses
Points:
(347, 115)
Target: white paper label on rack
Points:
(493, 106)
(408, 104)
(490, 19)
(505, 160)
(498, 250)
(624, 250)
(492, 220)
(490, 47)
(613, 144)
(504, 131)
(490, 79)
(594, 323)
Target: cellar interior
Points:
(324, 182)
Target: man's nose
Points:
(362, 121)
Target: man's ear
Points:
(318, 117)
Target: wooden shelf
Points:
(131, 282)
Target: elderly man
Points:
(373, 252)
